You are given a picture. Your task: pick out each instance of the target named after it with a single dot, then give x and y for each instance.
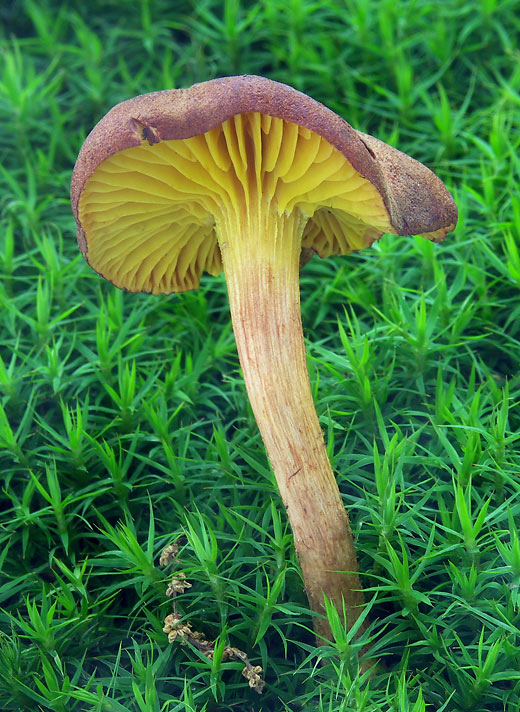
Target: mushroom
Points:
(247, 175)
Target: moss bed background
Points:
(124, 424)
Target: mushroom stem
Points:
(261, 254)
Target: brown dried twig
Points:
(182, 631)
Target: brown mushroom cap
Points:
(160, 172)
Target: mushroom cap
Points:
(408, 198)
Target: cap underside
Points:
(152, 214)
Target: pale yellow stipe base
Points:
(263, 288)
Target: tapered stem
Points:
(261, 264)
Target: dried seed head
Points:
(176, 630)
(177, 584)
(252, 674)
(168, 555)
